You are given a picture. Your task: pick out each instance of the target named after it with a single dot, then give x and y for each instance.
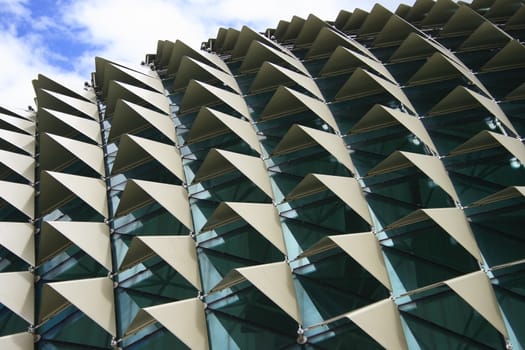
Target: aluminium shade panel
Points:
(324, 184)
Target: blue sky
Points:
(60, 38)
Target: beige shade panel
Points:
(210, 123)
(299, 137)
(135, 151)
(431, 166)
(486, 36)
(452, 220)
(18, 238)
(362, 83)
(219, 162)
(164, 49)
(8, 122)
(342, 17)
(502, 9)
(464, 21)
(344, 60)
(416, 47)
(102, 63)
(346, 189)
(139, 193)
(511, 56)
(505, 194)
(461, 99)
(92, 296)
(375, 21)
(281, 29)
(271, 76)
(261, 216)
(43, 82)
(185, 319)
(273, 280)
(362, 247)
(199, 94)
(309, 31)
(92, 237)
(245, 38)
(379, 117)
(56, 189)
(356, 20)
(292, 30)
(19, 163)
(487, 139)
(118, 90)
(439, 67)
(57, 153)
(129, 76)
(476, 289)
(258, 53)
(226, 39)
(193, 69)
(181, 50)
(68, 125)
(23, 142)
(67, 104)
(382, 322)
(417, 12)
(18, 341)
(516, 94)
(20, 196)
(395, 31)
(328, 40)
(517, 21)
(177, 251)
(440, 13)
(130, 118)
(286, 101)
(19, 297)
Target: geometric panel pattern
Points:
(348, 184)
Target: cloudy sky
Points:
(60, 38)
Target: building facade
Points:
(348, 184)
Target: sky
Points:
(60, 38)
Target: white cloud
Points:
(128, 29)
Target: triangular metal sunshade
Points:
(92, 237)
(379, 117)
(431, 166)
(21, 164)
(362, 247)
(19, 239)
(261, 216)
(286, 101)
(273, 280)
(135, 151)
(362, 83)
(130, 118)
(174, 199)
(135, 94)
(92, 296)
(191, 68)
(20, 196)
(271, 76)
(461, 99)
(452, 220)
(210, 123)
(299, 137)
(56, 189)
(200, 94)
(346, 189)
(190, 329)
(57, 152)
(177, 251)
(219, 162)
(18, 294)
(68, 125)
